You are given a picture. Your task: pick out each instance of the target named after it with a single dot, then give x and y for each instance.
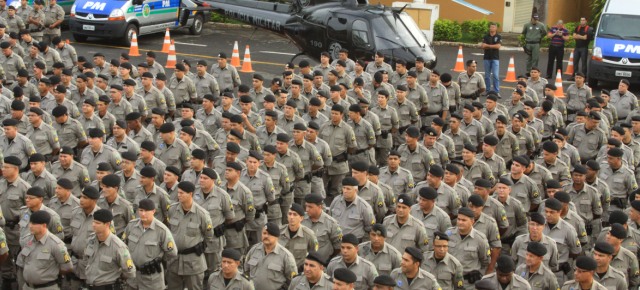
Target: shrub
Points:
(475, 30)
(447, 30)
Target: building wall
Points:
(454, 11)
(567, 10)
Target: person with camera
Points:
(558, 35)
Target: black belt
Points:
(111, 286)
(469, 97)
(43, 285)
(432, 114)
(360, 151)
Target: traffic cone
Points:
(167, 42)
(171, 58)
(511, 72)
(235, 56)
(559, 92)
(569, 70)
(133, 50)
(459, 61)
(246, 62)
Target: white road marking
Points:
(193, 44)
(277, 52)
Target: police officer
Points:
(438, 99)
(623, 259)
(584, 275)
(113, 200)
(505, 277)
(263, 191)
(149, 190)
(438, 151)
(389, 124)
(534, 270)
(471, 83)
(172, 151)
(63, 203)
(605, 274)
(43, 257)
(148, 158)
(404, 229)
(243, 207)
(342, 141)
(619, 178)
(150, 243)
(443, 265)
(587, 137)
(280, 180)
(349, 259)
(191, 226)
(525, 189)
(81, 229)
(400, 179)
(54, 15)
(344, 279)
(310, 159)
(327, 229)
(353, 213)
(16, 144)
(99, 152)
(414, 156)
(475, 169)
(533, 33)
(69, 130)
(205, 82)
(586, 198)
(182, 87)
(38, 175)
(296, 237)
(36, 20)
(377, 251)
(314, 276)
(476, 261)
(228, 276)
(269, 264)
(33, 200)
(489, 155)
(410, 275)
(107, 258)
(565, 236)
(515, 213)
(227, 75)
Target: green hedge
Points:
(475, 30)
(447, 30)
(571, 43)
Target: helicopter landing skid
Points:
(297, 54)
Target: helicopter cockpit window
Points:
(337, 28)
(360, 33)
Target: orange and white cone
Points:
(167, 42)
(559, 92)
(511, 72)
(171, 58)
(133, 50)
(459, 61)
(569, 70)
(246, 62)
(235, 56)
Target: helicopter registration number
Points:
(316, 43)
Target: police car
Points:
(118, 19)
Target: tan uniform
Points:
(447, 271)
(217, 281)
(328, 234)
(107, 261)
(271, 271)
(365, 271)
(302, 243)
(387, 259)
(410, 234)
(218, 204)
(424, 280)
(40, 261)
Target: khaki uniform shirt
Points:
(271, 271)
(541, 279)
(176, 154)
(473, 251)
(41, 261)
(424, 280)
(365, 271)
(418, 162)
(447, 271)
(328, 234)
(107, 261)
(355, 218)
(65, 210)
(436, 220)
(217, 281)
(387, 259)
(183, 90)
(400, 180)
(189, 229)
(303, 242)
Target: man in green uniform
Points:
(533, 33)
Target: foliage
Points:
(218, 18)
(475, 30)
(597, 6)
(447, 30)
(571, 43)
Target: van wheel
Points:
(126, 38)
(593, 83)
(196, 27)
(79, 38)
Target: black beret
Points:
(297, 208)
(234, 165)
(59, 111)
(37, 157)
(40, 217)
(562, 196)
(299, 127)
(36, 191)
(161, 76)
(255, 154)
(617, 230)
(167, 128)
(428, 193)
(502, 119)
(452, 168)
(313, 256)
(506, 181)
(355, 108)
(148, 145)
(476, 200)
(635, 118)
(270, 149)
(314, 198)
(413, 132)
(103, 215)
(17, 105)
(536, 248)
(283, 137)
(484, 183)
(440, 236)
(436, 170)
(604, 248)
(384, 280)
(469, 107)
(491, 140)
(429, 131)
(615, 142)
(13, 160)
(379, 229)
(469, 147)
(405, 199)
(148, 171)
(128, 155)
(595, 115)
(146, 204)
(187, 186)
(615, 152)
(415, 253)
(636, 204)
(181, 67)
(313, 125)
(233, 147)
(147, 75)
(272, 114)
(438, 121)
(505, 264)
(232, 254)
(65, 183)
(486, 284)
(246, 99)
(236, 119)
(550, 147)
(465, 211)
(91, 192)
(173, 170)
(349, 181)
(272, 229)
(580, 169)
(537, 217)
(116, 87)
(66, 150)
(618, 216)
(456, 116)
(344, 275)
(111, 180)
(553, 204)
(104, 99)
(90, 101)
(361, 166)
(209, 172)
(133, 116)
(104, 166)
(350, 239)
(96, 133)
(198, 154)
(236, 133)
(10, 122)
(552, 183)
(586, 263)
(120, 124)
(522, 160)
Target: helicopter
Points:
(315, 26)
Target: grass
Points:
(217, 18)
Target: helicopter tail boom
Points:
(267, 15)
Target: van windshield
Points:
(617, 26)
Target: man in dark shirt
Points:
(491, 45)
(583, 34)
(558, 35)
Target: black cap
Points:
(255, 154)
(297, 208)
(415, 253)
(562, 196)
(272, 229)
(91, 192)
(187, 186)
(209, 172)
(618, 216)
(470, 147)
(128, 155)
(486, 284)
(405, 199)
(579, 168)
(476, 200)
(299, 127)
(465, 211)
(234, 165)
(379, 229)
(167, 128)
(550, 147)
(59, 111)
(198, 154)
(484, 183)
(436, 170)
(173, 170)
(384, 280)
(37, 157)
(350, 239)
(103, 215)
(344, 275)
(65, 183)
(10, 122)
(522, 160)
(232, 254)
(617, 230)
(586, 263)
(552, 183)
(553, 204)
(104, 166)
(148, 171)
(413, 132)
(635, 204)
(146, 204)
(506, 181)
(66, 150)
(536, 248)
(505, 264)
(283, 137)
(233, 147)
(111, 180)
(96, 133)
(313, 198)
(604, 248)
(13, 160)
(615, 152)
(428, 193)
(347, 181)
(361, 166)
(315, 256)
(452, 168)
(40, 217)
(36, 191)
(537, 218)
(148, 145)
(491, 140)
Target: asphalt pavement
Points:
(270, 52)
